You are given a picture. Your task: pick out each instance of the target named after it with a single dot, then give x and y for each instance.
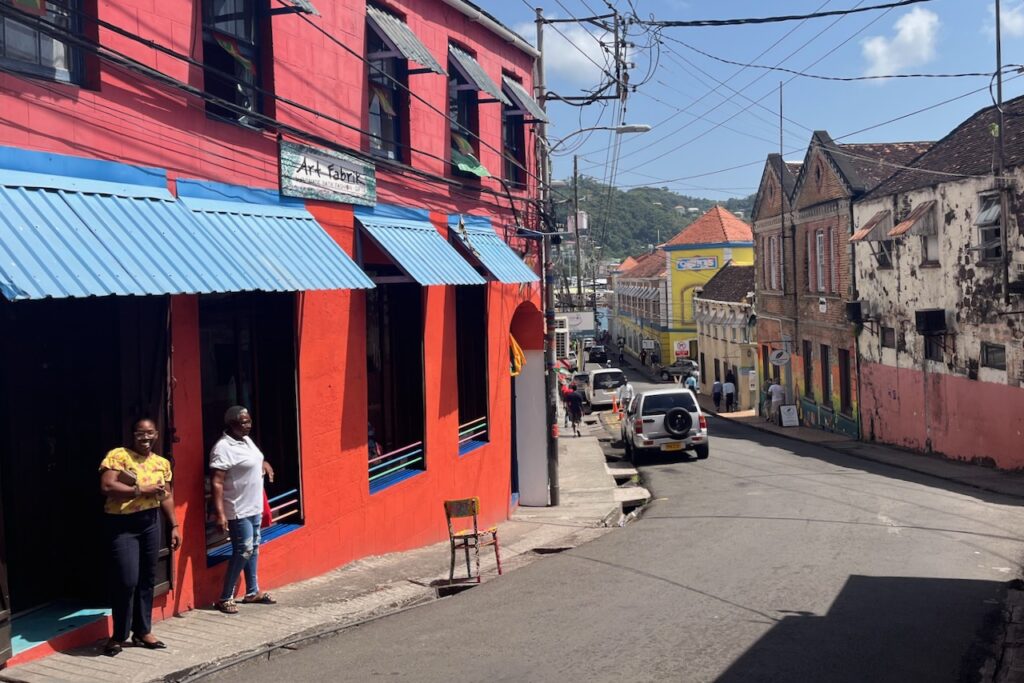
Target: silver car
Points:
(665, 420)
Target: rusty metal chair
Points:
(464, 539)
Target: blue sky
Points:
(699, 130)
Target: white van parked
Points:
(603, 385)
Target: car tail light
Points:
(703, 422)
(638, 426)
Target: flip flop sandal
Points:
(261, 599)
(226, 606)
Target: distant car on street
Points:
(603, 386)
(581, 380)
(665, 420)
(597, 354)
(682, 367)
(587, 343)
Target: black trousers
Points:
(134, 545)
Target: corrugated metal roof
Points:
(417, 248)
(404, 40)
(476, 75)
(496, 256)
(523, 98)
(73, 237)
(264, 245)
(874, 229)
(921, 221)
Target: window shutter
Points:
(834, 248)
(811, 268)
(782, 262)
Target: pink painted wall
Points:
(953, 416)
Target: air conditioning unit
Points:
(930, 321)
(855, 311)
(561, 322)
(561, 344)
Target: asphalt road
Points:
(770, 561)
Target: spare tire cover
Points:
(678, 421)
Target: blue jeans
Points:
(245, 549)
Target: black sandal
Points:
(112, 648)
(137, 641)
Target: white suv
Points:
(665, 420)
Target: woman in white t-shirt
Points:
(237, 467)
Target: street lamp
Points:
(550, 383)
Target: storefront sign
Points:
(647, 344)
(779, 357)
(682, 349)
(697, 263)
(789, 416)
(313, 173)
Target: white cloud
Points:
(912, 45)
(563, 62)
(1011, 21)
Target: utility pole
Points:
(1004, 213)
(576, 228)
(550, 384)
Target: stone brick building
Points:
(941, 354)
(811, 236)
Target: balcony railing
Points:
(472, 435)
(394, 466)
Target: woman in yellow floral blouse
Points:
(137, 484)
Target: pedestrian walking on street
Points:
(691, 383)
(137, 484)
(729, 389)
(238, 468)
(574, 407)
(778, 395)
(716, 394)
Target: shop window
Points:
(248, 358)
(231, 57)
(933, 348)
(513, 127)
(471, 352)
(464, 126)
(993, 356)
(395, 383)
(826, 375)
(990, 228)
(845, 383)
(889, 337)
(34, 53)
(387, 96)
(808, 350)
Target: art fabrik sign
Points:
(697, 263)
(313, 173)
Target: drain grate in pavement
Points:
(551, 550)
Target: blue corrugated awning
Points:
(477, 236)
(260, 241)
(64, 236)
(415, 246)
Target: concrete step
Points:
(632, 495)
(621, 472)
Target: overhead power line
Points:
(821, 77)
(695, 23)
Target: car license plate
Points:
(672, 446)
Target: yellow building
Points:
(694, 256)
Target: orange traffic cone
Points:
(615, 404)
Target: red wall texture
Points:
(953, 416)
(125, 118)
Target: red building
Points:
(312, 214)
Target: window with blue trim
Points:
(395, 383)
(471, 352)
(247, 358)
(39, 51)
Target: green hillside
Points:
(635, 218)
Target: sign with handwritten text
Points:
(324, 174)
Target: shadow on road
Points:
(880, 629)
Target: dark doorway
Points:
(74, 375)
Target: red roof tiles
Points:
(717, 226)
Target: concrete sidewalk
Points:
(203, 641)
(977, 476)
